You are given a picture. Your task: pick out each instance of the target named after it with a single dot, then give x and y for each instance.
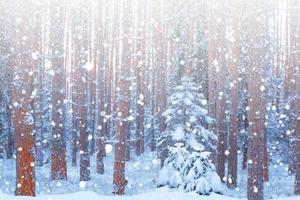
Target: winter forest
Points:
(149, 99)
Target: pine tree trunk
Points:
(245, 154)
(130, 48)
(160, 70)
(232, 157)
(295, 56)
(119, 180)
(153, 145)
(140, 66)
(58, 150)
(211, 68)
(211, 74)
(76, 78)
(297, 149)
(244, 127)
(84, 66)
(10, 149)
(256, 52)
(75, 132)
(83, 133)
(11, 139)
(220, 64)
(38, 100)
(75, 107)
(292, 72)
(23, 120)
(100, 135)
(265, 153)
(2, 132)
(83, 138)
(93, 74)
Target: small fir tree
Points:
(189, 142)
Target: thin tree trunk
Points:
(140, 66)
(211, 68)
(160, 75)
(297, 149)
(100, 141)
(220, 64)
(256, 52)
(211, 98)
(295, 56)
(293, 7)
(37, 104)
(232, 157)
(84, 67)
(11, 139)
(119, 180)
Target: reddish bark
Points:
(119, 180)
(58, 150)
(23, 120)
(218, 62)
(232, 157)
(256, 56)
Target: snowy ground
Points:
(280, 185)
(141, 173)
(157, 194)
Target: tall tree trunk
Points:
(83, 138)
(100, 136)
(84, 67)
(11, 139)
(297, 149)
(93, 73)
(140, 66)
(38, 97)
(212, 53)
(22, 90)
(76, 78)
(58, 150)
(130, 54)
(211, 68)
(160, 71)
(295, 63)
(256, 31)
(119, 180)
(219, 64)
(291, 73)
(10, 37)
(234, 71)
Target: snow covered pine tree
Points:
(188, 164)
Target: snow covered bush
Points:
(199, 174)
(171, 172)
(189, 142)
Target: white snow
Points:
(178, 133)
(158, 194)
